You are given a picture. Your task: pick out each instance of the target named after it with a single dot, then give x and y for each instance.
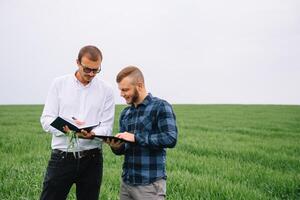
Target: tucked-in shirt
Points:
(154, 125)
(92, 104)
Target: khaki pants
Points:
(153, 191)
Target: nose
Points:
(92, 73)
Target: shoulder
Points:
(161, 106)
(62, 79)
(160, 103)
(125, 112)
(105, 85)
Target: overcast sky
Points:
(193, 51)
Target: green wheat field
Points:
(223, 152)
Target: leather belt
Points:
(78, 154)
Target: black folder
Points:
(59, 123)
(116, 139)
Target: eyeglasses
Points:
(89, 70)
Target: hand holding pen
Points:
(78, 122)
(83, 134)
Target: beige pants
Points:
(153, 191)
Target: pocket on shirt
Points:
(146, 123)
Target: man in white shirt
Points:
(86, 100)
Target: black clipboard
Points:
(104, 137)
(59, 123)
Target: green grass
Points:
(223, 152)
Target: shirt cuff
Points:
(141, 139)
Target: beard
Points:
(134, 97)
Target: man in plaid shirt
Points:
(150, 125)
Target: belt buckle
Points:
(82, 154)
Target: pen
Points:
(78, 122)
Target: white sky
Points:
(194, 51)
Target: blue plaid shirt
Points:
(154, 125)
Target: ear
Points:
(78, 63)
(139, 86)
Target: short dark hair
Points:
(131, 71)
(92, 52)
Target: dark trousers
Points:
(64, 169)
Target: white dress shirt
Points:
(92, 103)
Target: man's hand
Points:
(86, 135)
(113, 144)
(126, 136)
(66, 129)
(83, 134)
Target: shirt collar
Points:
(146, 101)
(74, 77)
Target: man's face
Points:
(128, 90)
(88, 68)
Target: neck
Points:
(141, 98)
